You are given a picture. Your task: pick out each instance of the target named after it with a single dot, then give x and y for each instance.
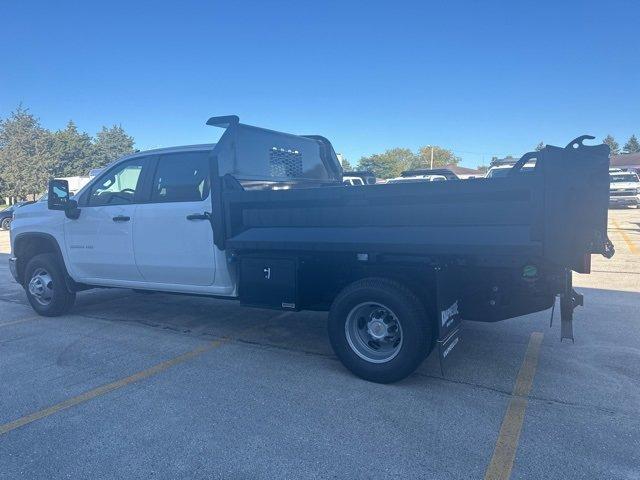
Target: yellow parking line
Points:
(632, 247)
(509, 436)
(28, 319)
(109, 387)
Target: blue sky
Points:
(482, 78)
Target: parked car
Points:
(418, 178)
(500, 171)
(624, 189)
(352, 181)
(396, 266)
(430, 172)
(6, 214)
(368, 178)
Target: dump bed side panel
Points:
(473, 217)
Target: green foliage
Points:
(482, 168)
(394, 161)
(110, 144)
(540, 146)
(613, 145)
(388, 164)
(632, 145)
(30, 155)
(26, 154)
(441, 158)
(73, 151)
(346, 165)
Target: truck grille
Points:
(622, 192)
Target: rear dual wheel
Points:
(380, 330)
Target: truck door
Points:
(99, 242)
(172, 235)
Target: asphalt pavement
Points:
(135, 385)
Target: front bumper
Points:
(630, 200)
(13, 268)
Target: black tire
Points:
(416, 329)
(61, 299)
(6, 223)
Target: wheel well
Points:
(29, 245)
(322, 280)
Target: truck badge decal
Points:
(449, 314)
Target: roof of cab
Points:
(179, 148)
(158, 151)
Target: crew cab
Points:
(263, 217)
(624, 188)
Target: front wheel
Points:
(45, 286)
(380, 330)
(6, 223)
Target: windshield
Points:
(498, 172)
(623, 177)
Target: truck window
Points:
(181, 177)
(117, 186)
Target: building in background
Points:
(626, 161)
(464, 172)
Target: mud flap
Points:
(448, 313)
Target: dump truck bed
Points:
(556, 212)
(475, 217)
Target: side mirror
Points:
(59, 198)
(58, 195)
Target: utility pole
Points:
(431, 156)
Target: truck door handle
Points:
(199, 216)
(121, 218)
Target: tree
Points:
(26, 154)
(30, 154)
(613, 145)
(388, 164)
(346, 165)
(632, 145)
(72, 150)
(482, 168)
(110, 144)
(540, 146)
(441, 157)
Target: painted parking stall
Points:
(100, 390)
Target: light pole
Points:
(431, 147)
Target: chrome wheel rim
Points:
(41, 286)
(6, 224)
(373, 332)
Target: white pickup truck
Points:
(263, 217)
(624, 189)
